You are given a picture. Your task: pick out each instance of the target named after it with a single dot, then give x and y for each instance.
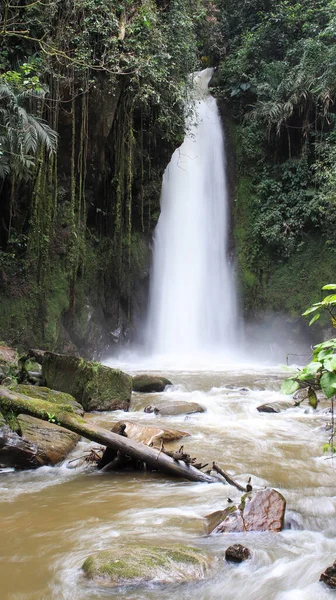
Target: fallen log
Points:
(12, 403)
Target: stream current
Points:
(53, 518)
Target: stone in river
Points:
(329, 576)
(175, 408)
(237, 553)
(37, 443)
(95, 386)
(275, 407)
(261, 510)
(149, 435)
(150, 383)
(142, 564)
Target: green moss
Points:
(63, 400)
(145, 563)
(95, 386)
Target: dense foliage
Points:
(105, 82)
(278, 79)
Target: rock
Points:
(39, 443)
(140, 564)
(175, 408)
(275, 407)
(149, 435)
(329, 576)
(9, 362)
(95, 386)
(150, 383)
(237, 553)
(261, 510)
(53, 396)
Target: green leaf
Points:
(324, 354)
(312, 398)
(314, 319)
(289, 386)
(311, 309)
(330, 363)
(313, 367)
(328, 384)
(330, 286)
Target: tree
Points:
(22, 133)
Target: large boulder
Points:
(275, 407)
(35, 443)
(150, 383)
(95, 386)
(262, 510)
(329, 576)
(149, 435)
(9, 362)
(175, 408)
(237, 553)
(140, 564)
(53, 396)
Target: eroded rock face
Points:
(262, 510)
(329, 576)
(149, 435)
(142, 565)
(37, 443)
(175, 408)
(150, 383)
(9, 362)
(94, 386)
(237, 553)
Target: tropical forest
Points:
(167, 299)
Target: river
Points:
(53, 518)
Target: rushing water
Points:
(192, 299)
(53, 518)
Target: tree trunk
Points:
(20, 404)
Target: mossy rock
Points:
(150, 383)
(95, 386)
(53, 396)
(9, 362)
(37, 443)
(143, 564)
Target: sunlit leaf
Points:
(315, 318)
(289, 386)
(330, 286)
(330, 363)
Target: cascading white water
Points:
(192, 299)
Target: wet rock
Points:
(237, 553)
(275, 407)
(35, 444)
(149, 435)
(53, 396)
(9, 362)
(140, 564)
(175, 408)
(329, 576)
(150, 383)
(262, 510)
(95, 386)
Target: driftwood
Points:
(229, 479)
(62, 415)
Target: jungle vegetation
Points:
(92, 96)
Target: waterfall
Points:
(192, 308)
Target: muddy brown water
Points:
(53, 518)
